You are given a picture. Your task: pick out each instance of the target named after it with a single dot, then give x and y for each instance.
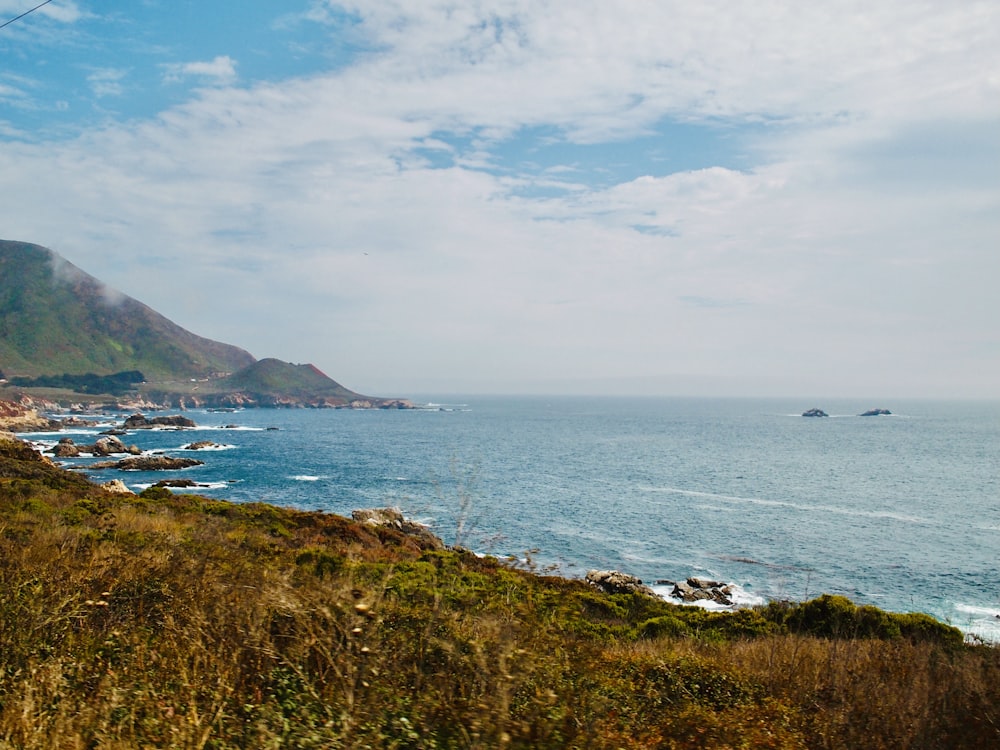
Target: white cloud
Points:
(107, 82)
(302, 219)
(221, 71)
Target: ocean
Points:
(900, 511)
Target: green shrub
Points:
(666, 625)
(921, 628)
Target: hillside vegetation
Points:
(267, 382)
(165, 620)
(55, 319)
(68, 338)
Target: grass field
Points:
(176, 621)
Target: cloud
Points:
(107, 82)
(366, 218)
(219, 71)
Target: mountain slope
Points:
(273, 377)
(268, 382)
(55, 318)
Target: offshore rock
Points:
(702, 589)
(140, 422)
(393, 518)
(875, 413)
(616, 582)
(109, 445)
(200, 445)
(105, 446)
(815, 413)
(148, 463)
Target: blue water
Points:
(900, 511)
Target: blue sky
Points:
(715, 198)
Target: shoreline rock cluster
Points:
(616, 582)
(702, 589)
(869, 413)
(691, 591)
(393, 518)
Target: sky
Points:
(767, 198)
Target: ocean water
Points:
(900, 511)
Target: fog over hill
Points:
(56, 318)
(58, 323)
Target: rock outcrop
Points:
(616, 582)
(200, 445)
(105, 446)
(21, 417)
(701, 589)
(393, 518)
(139, 421)
(117, 487)
(875, 413)
(815, 413)
(148, 463)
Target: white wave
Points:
(211, 486)
(882, 514)
(307, 477)
(206, 449)
(739, 596)
(979, 611)
(979, 622)
(193, 489)
(62, 433)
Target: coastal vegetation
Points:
(55, 318)
(174, 620)
(67, 337)
(115, 384)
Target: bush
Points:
(658, 627)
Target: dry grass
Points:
(181, 622)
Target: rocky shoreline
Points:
(23, 412)
(25, 416)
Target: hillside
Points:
(275, 379)
(55, 318)
(164, 620)
(267, 382)
(64, 333)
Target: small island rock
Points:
(139, 421)
(148, 463)
(815, 413)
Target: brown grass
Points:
(181, 622)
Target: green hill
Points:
(56, 319)
(272, 377)
(64, 333)
(268, 382)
